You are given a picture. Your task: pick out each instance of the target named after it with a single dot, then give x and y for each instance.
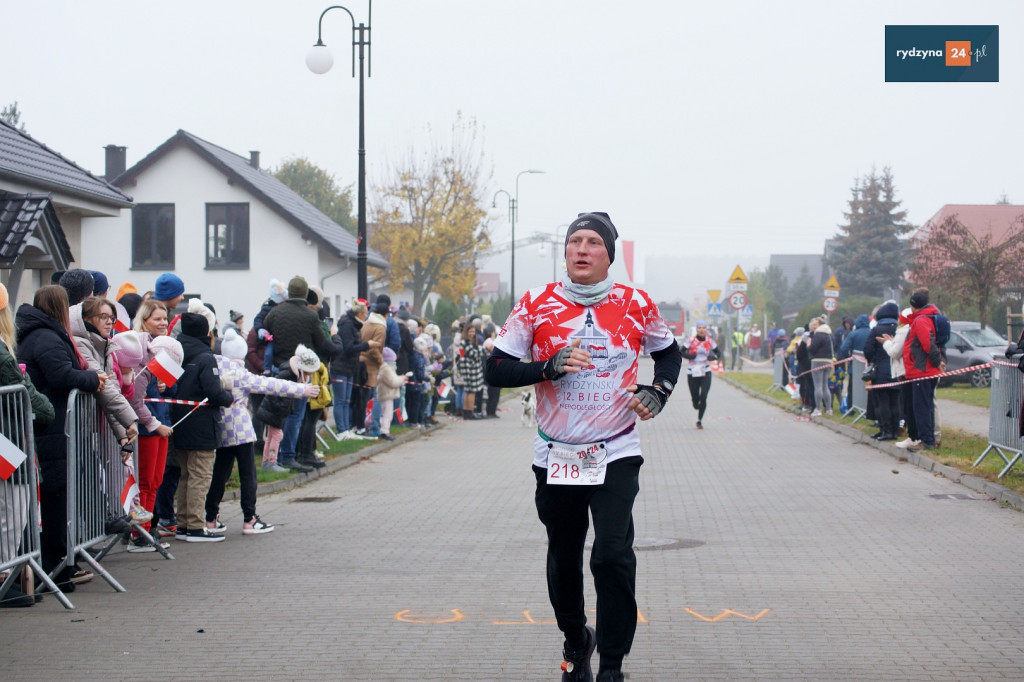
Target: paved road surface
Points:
(801, 556)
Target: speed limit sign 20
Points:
(830, 304)
(737, 300)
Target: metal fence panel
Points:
(778, 374)
(1004, 415)
(96, 476)
(859, 392)
(19, 500)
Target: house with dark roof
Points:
(225, 226)
(44, 198)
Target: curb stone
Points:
(344, 461)
(988, 488)
(333, 465)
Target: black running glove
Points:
(651, 397)
(554, 368)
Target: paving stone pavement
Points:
(803, 556)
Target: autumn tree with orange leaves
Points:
(430, 219)
(975, 266)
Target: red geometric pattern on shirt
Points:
(592, 404)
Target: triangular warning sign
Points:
(738, 277)
(832, 284)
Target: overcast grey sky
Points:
(703, 128)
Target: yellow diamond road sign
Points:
(738, 277)
(832, 284)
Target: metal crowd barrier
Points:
(96, 477)
(859, 394)
(778, 372)
(19, 500)
(1004, 415)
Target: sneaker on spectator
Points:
(256, 526)
(816, 413)
(180, 533)
(272, 466)
(216, 527)
(906, 443)
(139, 545)
(202, 535)
(166, 531)
(295, 465)
(139, 514)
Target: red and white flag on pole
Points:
(11, 457)
(122, 323)
(165, 368)
(444, 388)
(129, 493)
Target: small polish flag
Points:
(129, 493)
(11, 457)
(122, 323)
(401, 415)
(165, 368)
(444, 388)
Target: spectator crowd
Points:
(188, 397)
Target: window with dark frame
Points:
(153, 237)
(227, 236)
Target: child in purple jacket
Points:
(236, 434)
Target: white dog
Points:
(529, 417)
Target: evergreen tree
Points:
(870, 256)
(11, 115)
(805, 290)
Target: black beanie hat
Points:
(918, 300)
(598, 222)
(194, 324)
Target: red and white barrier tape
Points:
(175, 402)
(821, 367)
(953, 372)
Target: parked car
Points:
(971, 344)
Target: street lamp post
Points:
(515, 208)
(320, 61)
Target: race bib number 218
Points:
(576, 463)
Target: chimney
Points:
(254, 160)
(115, 161)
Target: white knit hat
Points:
(233, 346)
(169, 345)
(196, 305)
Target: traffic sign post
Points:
(831, 302)
(747, 312)
(714, 309)
(737, 300)
(738, 280)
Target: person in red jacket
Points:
(922, 357)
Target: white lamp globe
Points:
(319, 59)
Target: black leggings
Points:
(563, 511)
(699, 387)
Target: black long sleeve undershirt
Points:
(506, 371)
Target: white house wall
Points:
(182, 177)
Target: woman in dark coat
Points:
(55, 367)
(886, 400)
(348, 345)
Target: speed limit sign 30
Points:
(737, 300)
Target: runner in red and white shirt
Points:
(582, 337)
(700, 349)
